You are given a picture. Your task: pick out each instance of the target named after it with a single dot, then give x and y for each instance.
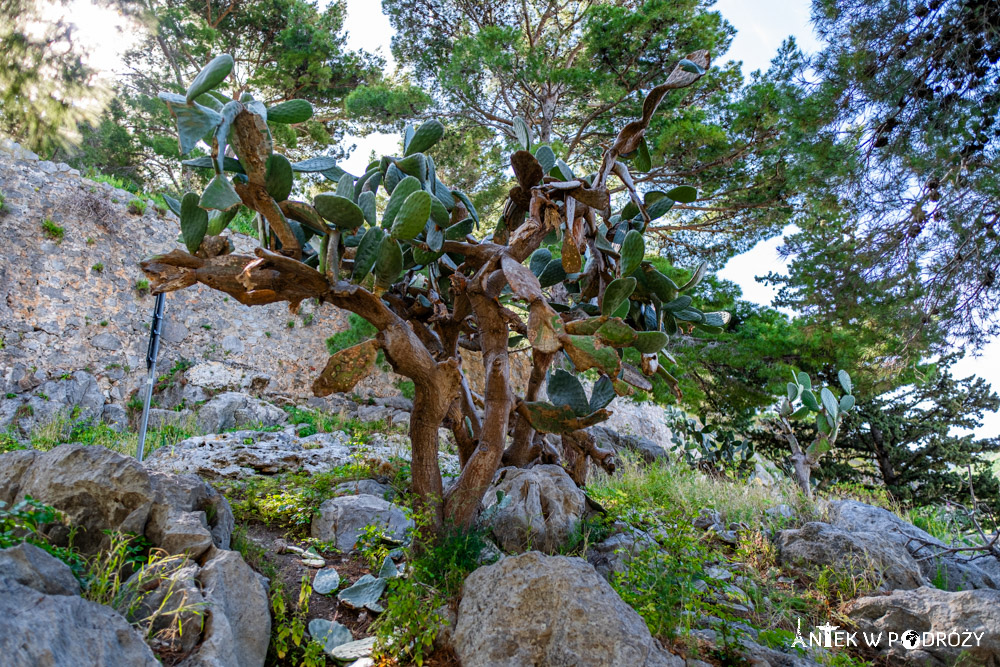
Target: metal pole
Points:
(151, 353)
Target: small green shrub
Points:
(52, 230)
(357, 331)
(405, 632)
(97, 268)
(142, 286)
(137, 206)
(289, 643)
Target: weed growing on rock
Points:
(142, 287)
(97, 268)
(137, 206)
(52, 230)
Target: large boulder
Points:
(242, 454)
(31, 566)
(932, 627)
(238, 624)
(818, 544)
(534, 609)
(99, 490)
(541, 508)
(44, 621)
(342, 520)
(234, 409)
(951, 571)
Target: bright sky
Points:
(761, 26)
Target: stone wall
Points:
(71, 304)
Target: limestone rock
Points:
(168, 593)
(956, 572)
(219, 377)
(544, 509)
(614, 554)
(31, 566)
(366, 486)
(97, 489)
(342, 520)
(234, 409)
(62, 628)
(818, 544)
(930, 610)
(238, 627)
(534, 609)
(650, 450)
(241, 454)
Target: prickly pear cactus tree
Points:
(827, 411)
(561, 276)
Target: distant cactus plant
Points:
(828, 411)
(401, 249)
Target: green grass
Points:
(244, 222)
(63, 430)
(52, 230)
(138, 206)
(358, 330)
(97, 268)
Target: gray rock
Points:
(98, 490)
(31, 566)
(238, 628)
(534, 609)
(819, 544)
(342, 520)
(233, 409)
(115, 416)
(242, 454)
(366, 486)
(74, 628)
(932, 610)
(43, 621)
(650, 450)
(12, 467)
(106, 341)
(956, 572)
(168, 593)
(614, 554)
(354, 650)
(218, 377)
(544, 509)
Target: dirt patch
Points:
(290, 571)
